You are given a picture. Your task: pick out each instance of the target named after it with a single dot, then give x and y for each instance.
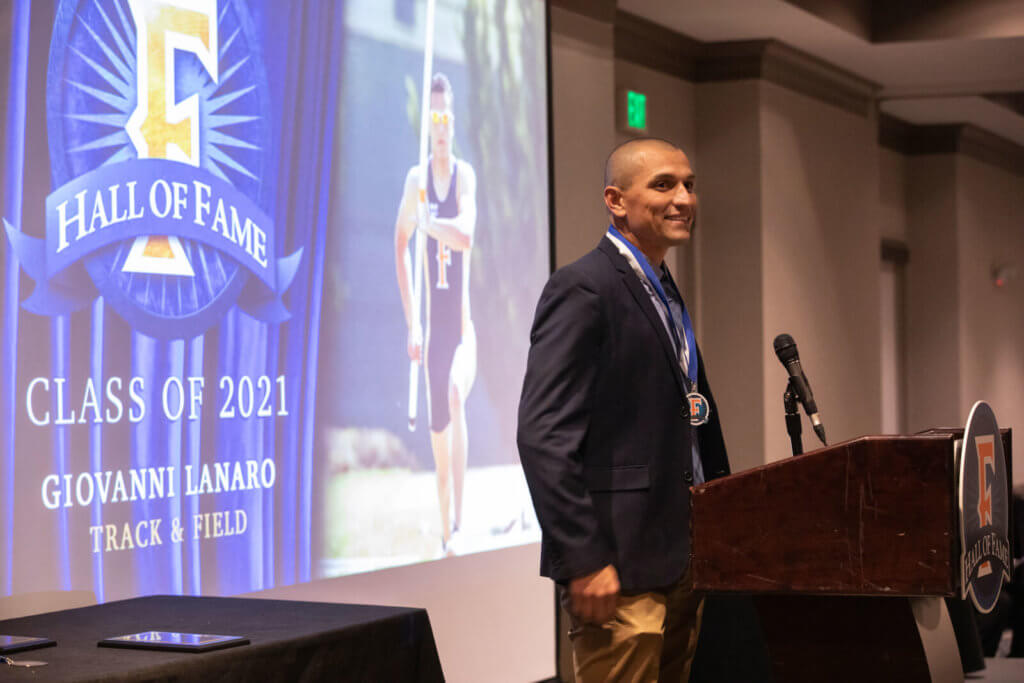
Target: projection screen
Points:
(268, 274)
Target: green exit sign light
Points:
(636, 110)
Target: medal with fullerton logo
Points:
(699, 408)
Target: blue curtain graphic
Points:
(14, 157)
(43, 549)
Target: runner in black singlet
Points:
(450, 340)
(444, 303)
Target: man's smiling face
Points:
(659, 203)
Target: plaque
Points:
(171, 640)
(9, 644)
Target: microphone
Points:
(785, 349)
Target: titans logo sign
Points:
(157, 115)
(984, 501)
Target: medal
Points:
(699, 407)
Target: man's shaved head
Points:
(625, 160)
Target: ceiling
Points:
(935, 61)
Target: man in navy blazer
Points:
(605, 431)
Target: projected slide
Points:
(268, 273)
(454, 484)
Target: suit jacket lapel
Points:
(643, 300)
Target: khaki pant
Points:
(652, 637)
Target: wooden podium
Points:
(847, 552)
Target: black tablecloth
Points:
(290, 641)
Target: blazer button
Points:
(688, 477)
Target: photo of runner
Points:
(437, 251)
(447, 341)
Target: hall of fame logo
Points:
(984, 510)
(160, 151)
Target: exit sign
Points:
(630, 112)
(636, 110)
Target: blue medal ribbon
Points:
(687, 325)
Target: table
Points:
(290, 641)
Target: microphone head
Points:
(785, 348)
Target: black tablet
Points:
(171, 640)
(9, 644)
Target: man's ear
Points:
(613, 200)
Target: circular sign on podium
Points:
(984, 510)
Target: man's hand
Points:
(415, 343)
(595, 595)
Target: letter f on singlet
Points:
(161, 127)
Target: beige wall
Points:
(990, 230)
(583, 106)
(965, 337)
(790, 243)
(670, 106)
(819, 174)
(933, 346)
(892, 194)
(731, 261)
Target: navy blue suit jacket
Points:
(604, 432)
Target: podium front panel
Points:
(872, 516)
